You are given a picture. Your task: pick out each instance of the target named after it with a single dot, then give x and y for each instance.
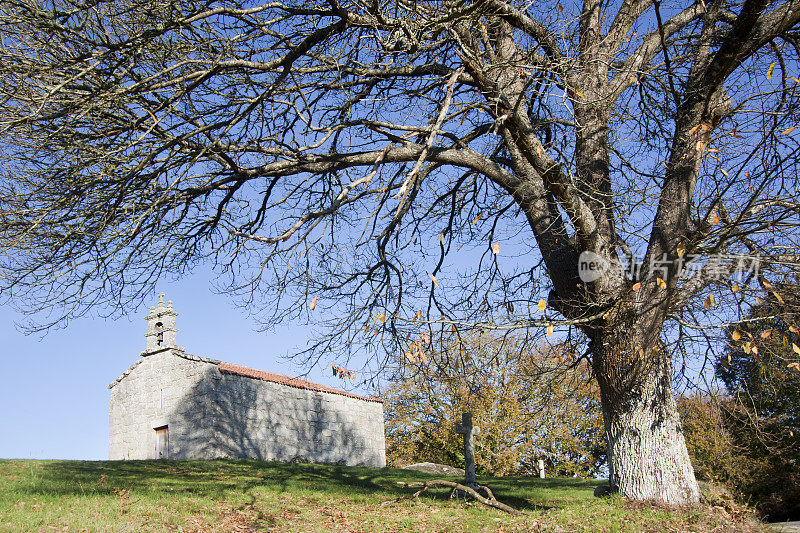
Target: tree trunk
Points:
(647, 453)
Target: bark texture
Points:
(647, 454)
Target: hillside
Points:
(238, 495)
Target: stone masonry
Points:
(206, 409)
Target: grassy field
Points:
(238, 495)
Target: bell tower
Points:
(161, 332)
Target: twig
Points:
(425, 485)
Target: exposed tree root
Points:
(425, 485)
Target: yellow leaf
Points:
(788, 130)
(434, 280)
(691, 131)
(681, 249)
(661, 283)
(700, 146)
(550, 330)
(794, 365)
(542, 305)
(736, 335)
(418, 315)
(724, 172)
(778, 297)
(766, 333)
(637, 286)
(496, 248)
(313, 304)
(441, 238)
(735, 287)
(476, 219)
(382, 318)
(747, 347)
(715, 220)
(710, 302)
(796, 348)
(793, 329)
(769, 71)
(767, 284)
(579, 93)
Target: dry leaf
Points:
(710, 302)
(313, 304)
(794, 365)
(770, 70)
(793, 329)
(747, 348)
(441, 238)
(778, 297)
(788, 130)
(661, 283)
(496, 248)
(550, 330)
(691, 131)
(418, 315)
(724, 172)
(382, 318)
(796, 348)
(736, 335)
(637, 286)
(735, 287)
(476, 219)
(700, 146)
(715, 220)
(434, 280)
(767, 284)
(542, 305)
(766, 333)
(681, 249)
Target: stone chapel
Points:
(171, 404)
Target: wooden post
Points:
(468, 430)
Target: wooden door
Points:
(162, 442)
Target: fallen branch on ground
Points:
(425, 485)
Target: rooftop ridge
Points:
(239, 370)
(230, 368)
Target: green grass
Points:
(239, 495)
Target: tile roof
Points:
(228, 368)
(238, 370)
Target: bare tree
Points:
(382, 159)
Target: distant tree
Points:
(715, 456)
(527, 404)
(384, 158)
(761, 371)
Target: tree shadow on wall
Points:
(238, 417)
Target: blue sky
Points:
(53, 386)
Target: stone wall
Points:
(212, 414)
